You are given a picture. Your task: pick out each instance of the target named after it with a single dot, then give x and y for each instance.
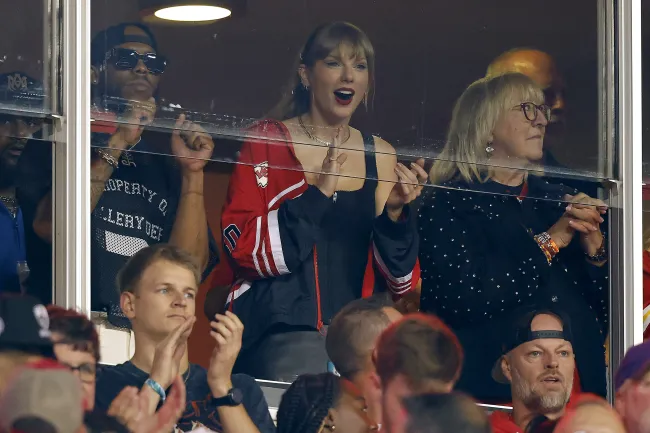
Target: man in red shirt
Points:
(539, 364)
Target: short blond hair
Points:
(128, 278)
(475, 115)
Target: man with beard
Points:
(145, 189)
(17, 90)
(539, 363)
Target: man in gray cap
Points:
(42, 400)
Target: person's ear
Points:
(304, 76)
(127, 303)
(375, 382)
(506, 368)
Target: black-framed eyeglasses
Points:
(125, 59)
(530, 110)
(87, 372)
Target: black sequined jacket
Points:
(479, 260)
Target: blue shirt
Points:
(12, 248)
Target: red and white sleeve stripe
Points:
(397, 285)
(267, 255)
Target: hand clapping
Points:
(227, 331)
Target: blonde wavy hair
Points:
(475, 115)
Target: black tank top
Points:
(343, 250)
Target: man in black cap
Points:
(539, 364)
(139, 195)
(17, 91)
(24, 334)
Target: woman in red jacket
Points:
(314, 208)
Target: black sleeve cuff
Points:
(311, 205)
(404, 224)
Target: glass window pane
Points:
(24, 59)
(25, 150)
(383, 86)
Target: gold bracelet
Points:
(108, 158)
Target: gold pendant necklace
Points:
(318, 139)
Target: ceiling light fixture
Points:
(188, 11)
(193, 13)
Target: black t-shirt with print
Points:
(199, 409)
(137, 208)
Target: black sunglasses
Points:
(125, 59)
(530, 110)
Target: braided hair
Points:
(305, 405)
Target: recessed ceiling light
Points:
(194, 13)
(190, 12)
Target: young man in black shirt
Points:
(158, 287)
(145, 189)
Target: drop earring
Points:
(489, 149)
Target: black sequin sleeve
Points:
(476, 259)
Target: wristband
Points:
(157, 388)
(547, 245)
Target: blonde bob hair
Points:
(475, 115)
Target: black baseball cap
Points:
(519, 332)
(113, 36)
(19, 89)
(25, 325)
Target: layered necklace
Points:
(10, 203)
(316, 138)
